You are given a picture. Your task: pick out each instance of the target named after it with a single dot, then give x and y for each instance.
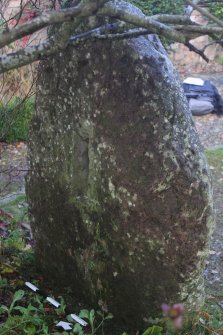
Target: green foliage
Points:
(92, 318)
(15, 117)
(17, 208)
(3, 282)
(216, 9)
(18, 295)
(154, 330)
(152, 7)
(22, 320)
(34, 319)
(14, 241)
(215, 158)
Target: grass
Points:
(215, 158)
(17, 208)
(15, 117)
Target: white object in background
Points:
(194, 81)
(79, 320)
(53, 302)
(31, 286)
(64, 325)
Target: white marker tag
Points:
(53, 302)
(64, 325)
(79, 320)
(194, 81)
(31, 286)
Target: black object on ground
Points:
(203, 99)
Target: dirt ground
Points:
(214, 268)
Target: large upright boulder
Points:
(118, 189)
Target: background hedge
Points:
(152, 7)
(15, 117)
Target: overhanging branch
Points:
(205, 12)
(201, 53)
(37, 52)
(47, 19)
(141, 21)
(129, 23)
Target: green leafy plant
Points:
(3, 282)
(14, 241)
(152, 7)
(216, 9)
(29, 320)
(154, 330)
(15, 117)
(61, 309)
(96, 321)
(17, 296)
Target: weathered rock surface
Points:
(119, 190)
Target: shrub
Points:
(152, 7)
(15, 117)
(217, 9)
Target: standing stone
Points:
(118, 189)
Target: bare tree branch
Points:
(205, 12)
(173, 19)
(36, 52)
(215, 42)
(104, 32)
(191, 47)
(207, 2)
(130, 23)
(201, 30)
(46, 19)
(140, 21)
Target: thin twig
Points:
(205, 13)
(215, 42)
(191, 47)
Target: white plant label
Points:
(31, 286)
(53, 302)
(64, 325)
(194, 81)
(79, 320)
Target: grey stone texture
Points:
(118, 189)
